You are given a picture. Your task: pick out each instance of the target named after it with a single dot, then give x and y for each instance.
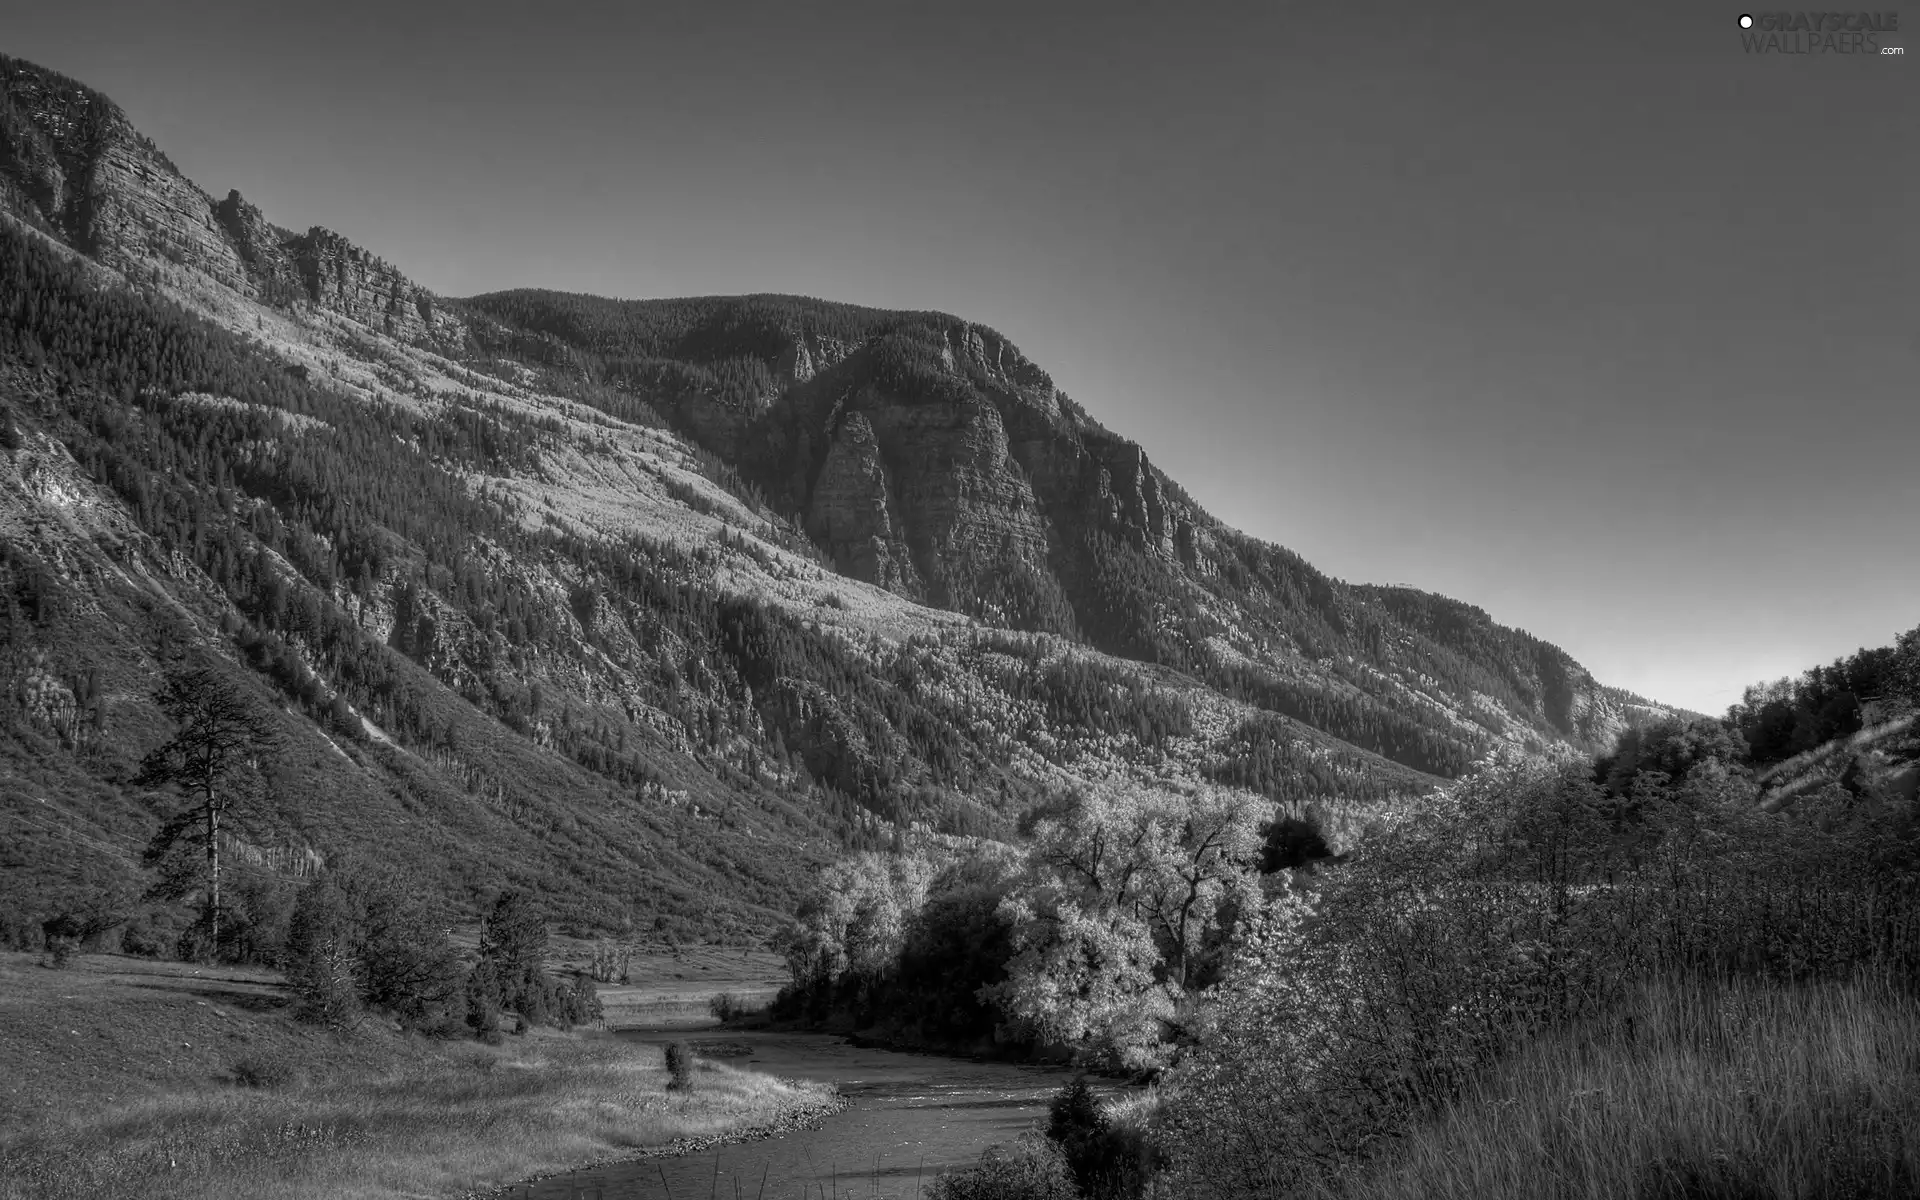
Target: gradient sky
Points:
(1580, 314)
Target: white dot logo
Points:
(1746, 22)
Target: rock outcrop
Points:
(91, 177)
(262, 247)
(72, 164)
(345, 279)
(852, 512)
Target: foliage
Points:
(1528, 899)
(1109, 1159)
(215, 760)
(1691, 1089)
(1792, 716)
(511, 971)
(679, 1060)
(1122, 915)
(902, 946)
(851, 927)
(1030, 1168)
(361, 939)
(1670, 748)
(308, 512)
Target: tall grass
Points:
(471, 1120)
(1528, 909)
(1698, 1090)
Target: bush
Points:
(358, 939)
(326, 990)
(1029, 1169)
(147, 935)
(1108, 1161)
(61, 949)
(1524, 900)
(726, 1007)
(265, 1071)
(679, 1067)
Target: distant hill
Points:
(649, 606)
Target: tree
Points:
(214, 760)
(1128, 894)
(361, 938)
(513, 949)
(1903, 674)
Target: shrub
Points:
(580, 1004)
(265, 1071)
(146, 935)
(1029, 1169)
(61, 949)
(725, 1007)
(483, 1004)
(679, 1066)
(358, 930)
(1108, 1161)
(326, 991)
(1523, 901)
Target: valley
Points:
(538, 744)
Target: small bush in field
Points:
(725, 1007)
(1029, 1169)
(265, 1071)
(679, 1066)
(61, 949)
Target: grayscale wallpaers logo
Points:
(1819, 32)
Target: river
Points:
(912, 1116)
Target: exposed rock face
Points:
(943, 480)
(263, 249)
(852, 512)
(101, 186)
(964, 503)
(810, 354)
(71, 163)
(346, 279)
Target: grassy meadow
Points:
(126, 1078)
(1693, 1090)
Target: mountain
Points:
(649, 606)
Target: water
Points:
(913, 1115)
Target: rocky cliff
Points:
(927, 455)
(72, 164)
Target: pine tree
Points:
(214, 760)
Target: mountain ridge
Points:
(613, 596)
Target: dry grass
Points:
(1706, 1093)
(473, 1120)
(129, 1079)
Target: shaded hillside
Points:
(928, 456)
(648, 607)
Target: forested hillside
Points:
(644, 608)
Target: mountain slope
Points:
(648, 606)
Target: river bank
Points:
(129, 1078)
(907, 1118)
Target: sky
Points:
(1582, 314)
